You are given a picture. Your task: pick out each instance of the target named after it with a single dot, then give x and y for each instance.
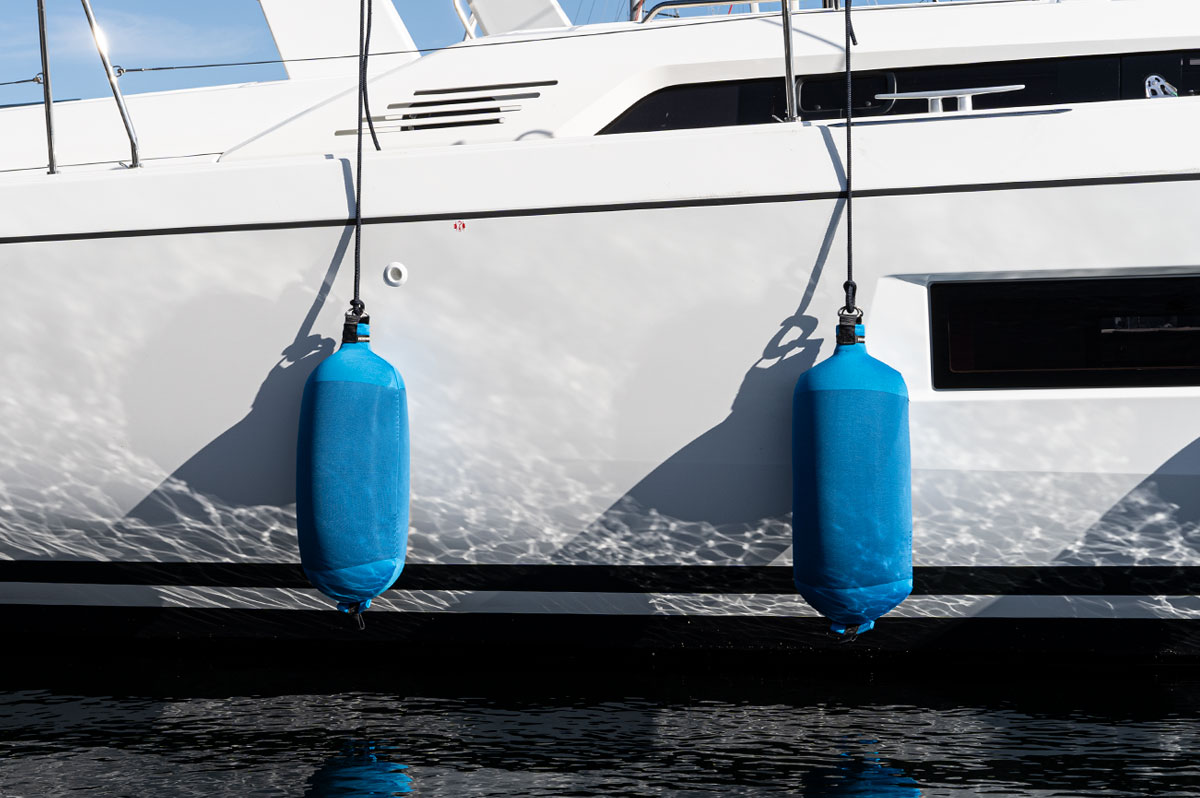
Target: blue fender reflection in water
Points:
(360, 769)
(860, 775)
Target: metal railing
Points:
(637, 15)
(677, 5)
(789, 65)
(48, 97)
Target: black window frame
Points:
(1057, 317)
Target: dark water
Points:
(732, 732)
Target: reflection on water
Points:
(362, 769)
(868, 776)
(732, 735)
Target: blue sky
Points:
(145, 33)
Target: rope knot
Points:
(851, 306)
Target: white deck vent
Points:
(464, 106)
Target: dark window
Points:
(1053, 81)
(734, 102)
(1181, 70)
(1047, 82)
(1078, 333)
(825, 98)
(1189, 81)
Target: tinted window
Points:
(825, 98)
(1181, 70)
(1066, 333)
(1189, 82)
(1047, 82)
(746, 102)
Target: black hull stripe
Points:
(1051, 580)
(904, 191)
(497, 642)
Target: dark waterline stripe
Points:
(87, 639)
(612, 207)
(1048, 580)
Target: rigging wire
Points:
(421, 50)
(37, 79)
(716, 20)
(851, 288)
(362, 85)
(357, 307)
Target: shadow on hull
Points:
(726, 496)
(241, 467)
(1156, 523)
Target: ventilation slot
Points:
(467, 106)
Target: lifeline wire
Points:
(693, 21)
(851, 288)
(424, 50)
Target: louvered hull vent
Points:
(466, 106)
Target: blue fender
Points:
(352, 476)
(852, 488)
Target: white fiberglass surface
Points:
(624, 400)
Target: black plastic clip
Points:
(847, 330)
(350, 333)
(849, 317)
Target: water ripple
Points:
(380, 744)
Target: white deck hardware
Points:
(1157, 86)
(964, 96)
(395, 274)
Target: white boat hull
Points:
(600, 336)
